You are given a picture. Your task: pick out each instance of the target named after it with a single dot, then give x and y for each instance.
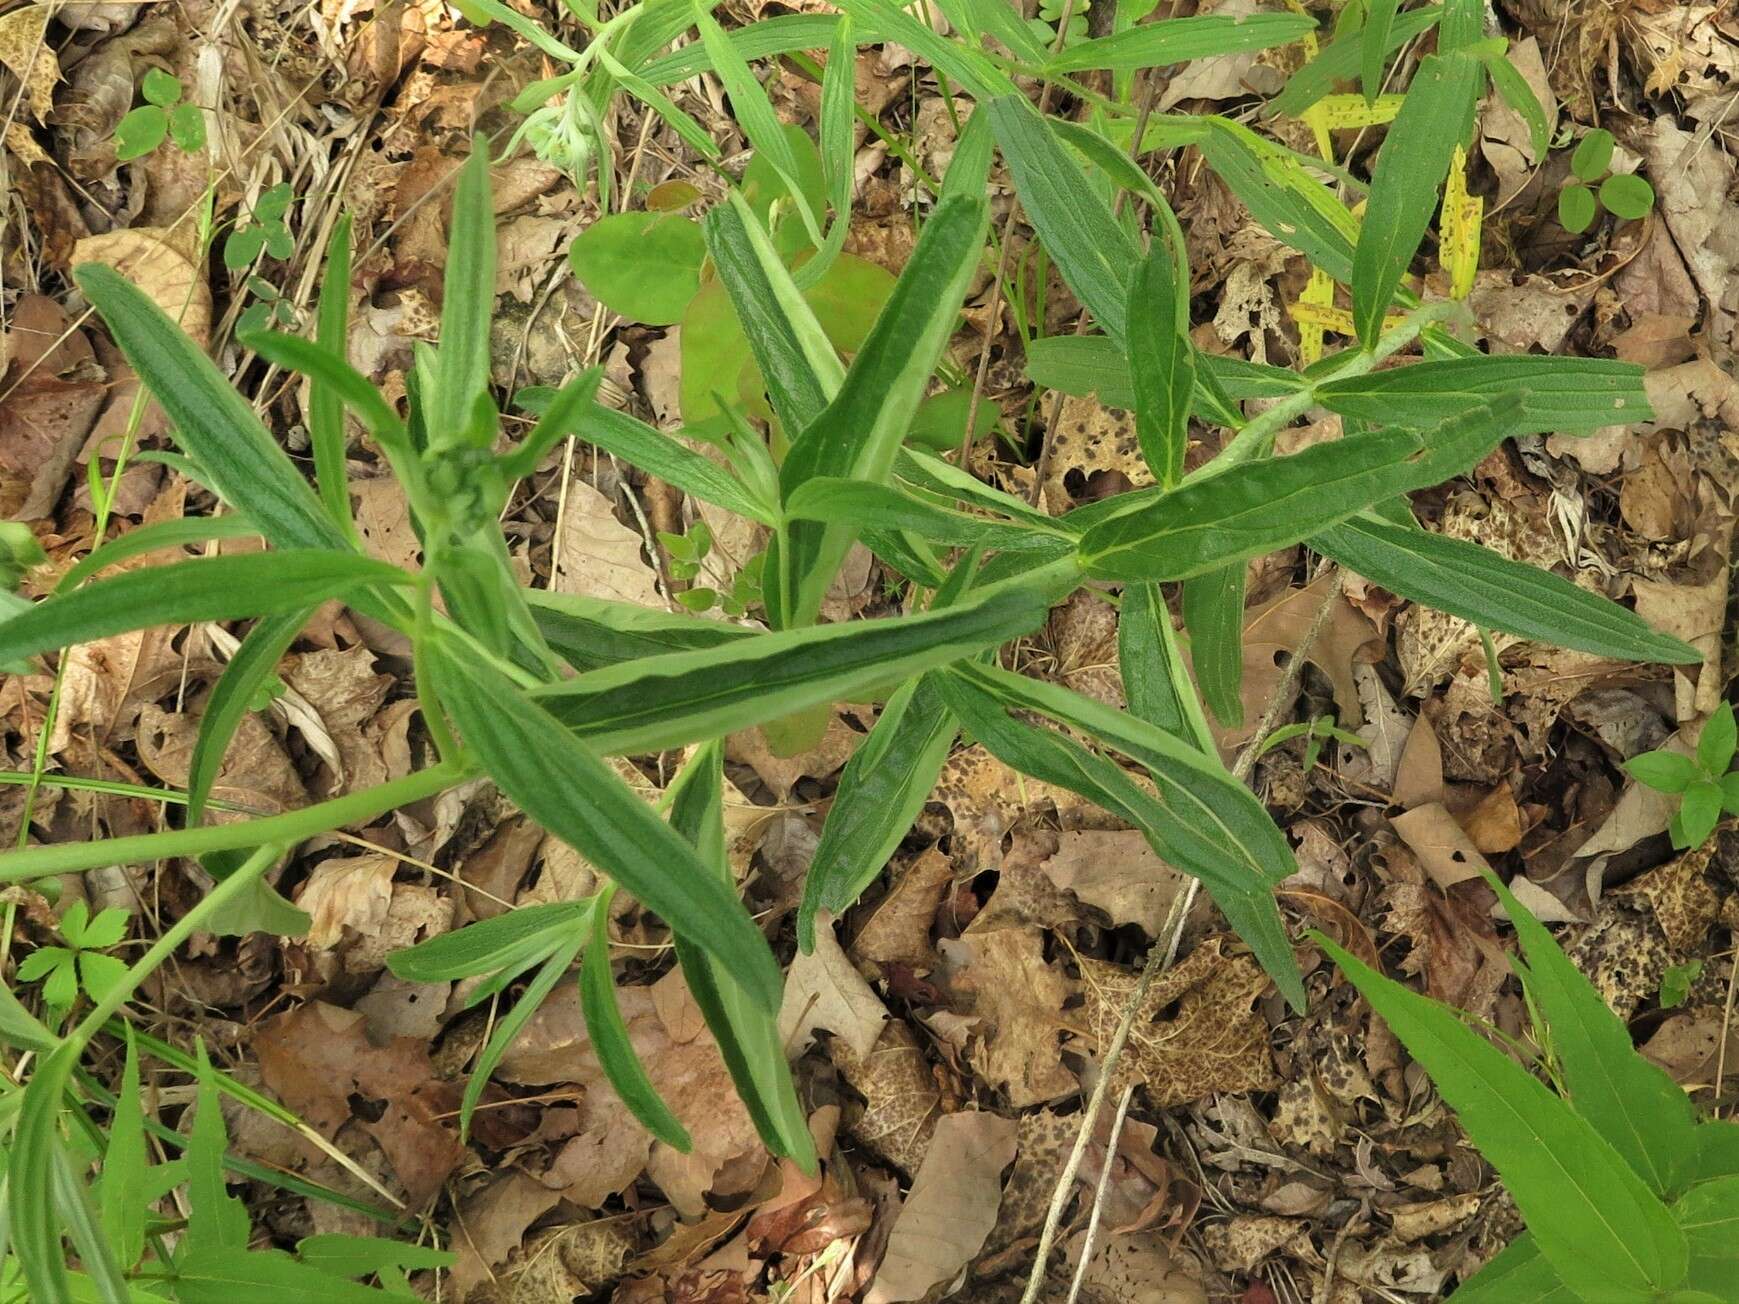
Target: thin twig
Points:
(1117, 1122)
(1161, 958)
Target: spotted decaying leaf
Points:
(901, 1099)
(1679, 894)
(1018, 998)
(1215, 1041)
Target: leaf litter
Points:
(946, 1032)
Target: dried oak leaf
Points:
(490, 1224)
(318, 1060)
(901, 1099)
(1454, 945)
(1116, 871)
(824, 991)
(1214, 1042)
(1678, 892)
(52, 393)
(898, 932)
(1018, 997)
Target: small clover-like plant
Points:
(63, 970)
(1704, 782)
(268, 232)
(1596, 186)
(1052, 13)
(163, 116)
(269, 308)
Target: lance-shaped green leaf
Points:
(868, 505)
(1286, 200)
(1342, 59)
(747, 1036)
(754, 114)
(859, 434)
(180, 532)
(339, 382)
(1213, 612)
(467, 306)
(763, 40)
(1629, 1100)
(1374, 47)
(562, 784)
(1604, 1232)
(590, 633)
(558, 420)
(1558, 394)
(666, 457)
(682, 697)
(232, 698)
(510, 941)
(1156, 684)
(325, 407)
(882, 790)
(1436, 116)
(182, 593)
(1256, 506)
(1162, 362)
(969, 69)
(1244, 897)
(212, 421)
(608, 1033)
(1093, 364)
(1076, 226)
(1519, 96)
(798, 363)
(929, 472)
(1472, 582)
(1178, 40)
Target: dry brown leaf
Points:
(52, 393)
(347, 892)
(1240, 1243)
(1453, 945)
(318, 1060)
(1144, 1267)
(1440, 843)
(600, 557)
(1215, 1041)
(601, 1160)
(383, 519)
(1018, 998)
(1693, 188)
(1688, 1046)
(1116, 871)
(823, 990)
(155, 260)
(490, 1224)
(1696, 613)
(782, 773)
(256, 772)
(561, 1265)
(1504, 135)
(898, 932)
(26, 52)
(1094, 452)
(1419, 778)
(901, 1099)
(951, 1209)
(1494, 825)
(1684, 904)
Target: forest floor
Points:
(951, 1025)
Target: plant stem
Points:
(290, 827)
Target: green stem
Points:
(290, 827)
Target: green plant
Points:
(1595, 186)
(1702, 781)
(1317, 733)
(62, 970)
(534, 690)
(267, 232)
(162, 116)
(1626, 1196)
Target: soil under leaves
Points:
(946, 1031)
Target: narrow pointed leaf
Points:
(562, 784)
(232, 698)
(1629, 1100)
(212, 588)
(882, 790)
(667, 458)
(878, 506)
(1374, 46)
(1342, 59)
(1558, 394)
(590, 633)
(1155, 683)
(1213, 612)
(1436, 116)
(468, 305)
(325, 405)
(212, 421)
(1178, 40)
(181, 532)
(1593, 1219)
(683, 697)
(1266, 503)
(1161, 363)
(859, 434)
(1466, 580)
(608, 1034)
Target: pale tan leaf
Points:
(824, 991)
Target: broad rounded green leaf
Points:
(1593, 155)
(1716, 743)
(160, 87)
(140, 132)
(1576, 209)
(645, 266)
(1663, 771)
(1700, 811)
(1627, 195)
